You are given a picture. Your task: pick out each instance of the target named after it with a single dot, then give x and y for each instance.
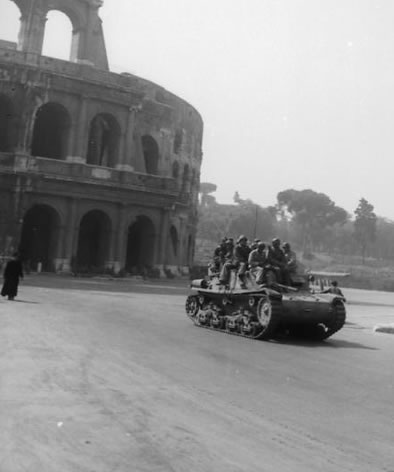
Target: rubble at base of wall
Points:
(172, 271)
(113, 270)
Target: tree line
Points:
(310, 220)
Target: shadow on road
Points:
(329, 343)
(27, 301)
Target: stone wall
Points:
(89, 155)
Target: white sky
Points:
(293, 93)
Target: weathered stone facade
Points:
(97, 170)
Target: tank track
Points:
(259, 322)
(339, 318)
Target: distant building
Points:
(97, 170)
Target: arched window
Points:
(40, 237)
(151, 154)
(10, 23)
(93, 240)
(140, 245)
(104, 135)
(51, 131)
(58, 36)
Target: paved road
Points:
(114, 378)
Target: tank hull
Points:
(262, 312)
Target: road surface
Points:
(110, 376)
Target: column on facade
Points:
(111, 239)
(23, 31)
(14, 216)
(126, 147)
(165, 135)
(137, 160)
(69, 236)
(114, 241)
(162, 242)
(183, 245)
(24, 133)
(76, 38)
(181, 257)
(81, 39)
(32, 30)
(26, 120)
(80, 135)
(138, 154)
(57, 247)
(192, 231)
(91, 45)
(118, 241)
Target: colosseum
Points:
(99, 171)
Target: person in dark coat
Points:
(12, 273)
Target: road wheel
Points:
(192, 306)
(268, 314)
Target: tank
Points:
(265, 311)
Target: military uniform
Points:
(257, 261)
(291, 261)
(239, 261)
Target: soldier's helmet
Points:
(276, 242)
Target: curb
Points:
(384, 328)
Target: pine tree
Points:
(364, 225)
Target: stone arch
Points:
(150, 150)
(58, 31)
(71, 9)
(6, 123)
(52, 124)
(104, 137)
(10, 30)
(87, 34)
(40, 236)
(93, 241)
(141, 240)
(82, 39)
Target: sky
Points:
(293, 93)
